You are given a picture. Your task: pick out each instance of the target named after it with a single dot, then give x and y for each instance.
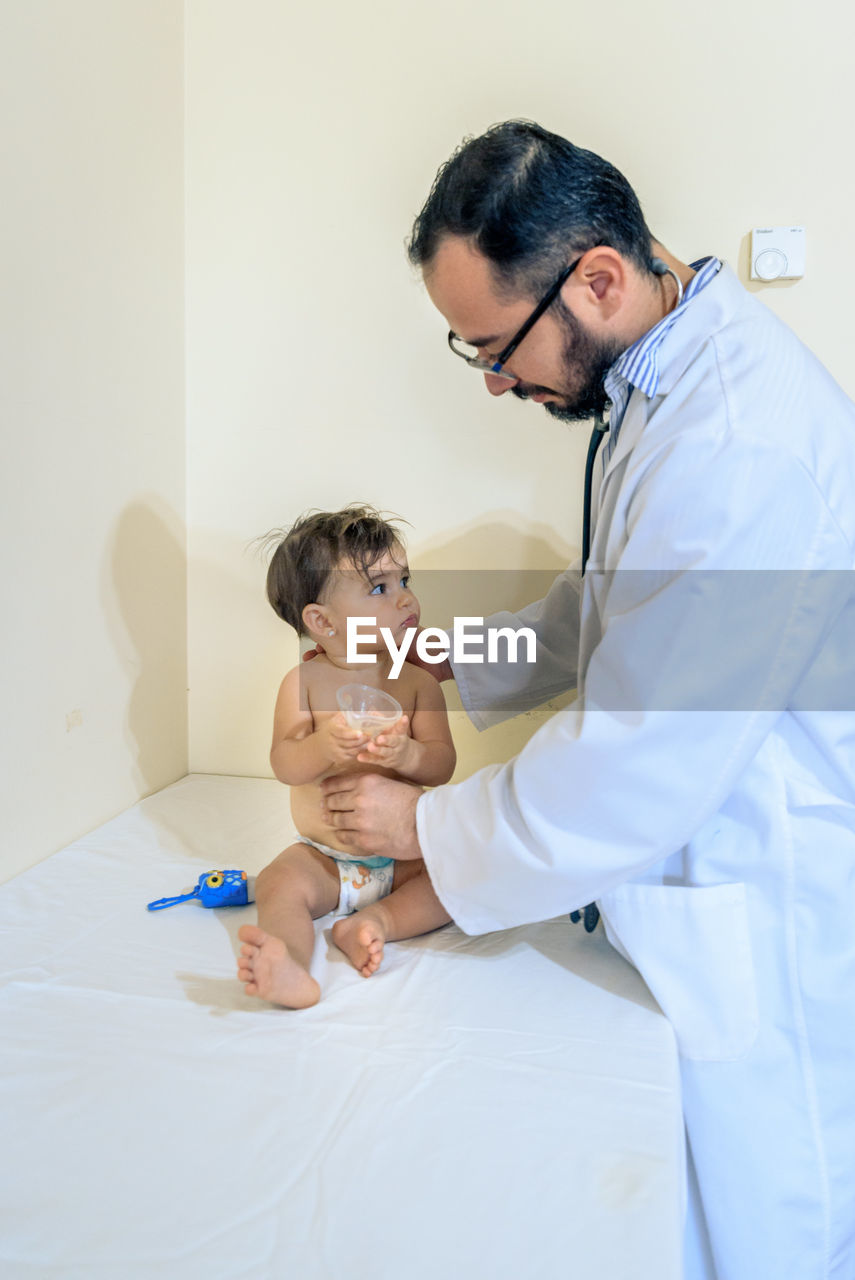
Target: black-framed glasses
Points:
(485, 364)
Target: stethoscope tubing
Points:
(591, 913)
(600, 429)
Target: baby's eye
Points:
(405, 581)
(378, 589)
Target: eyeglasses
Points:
(493, 365)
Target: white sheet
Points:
(498, 1107)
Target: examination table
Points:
(504, 1107)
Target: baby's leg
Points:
(410, 909)
(298, 886)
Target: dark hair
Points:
(315, 546)
(529, 200)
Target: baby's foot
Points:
(270, 972)
(361, 938)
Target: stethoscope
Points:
(591, 913)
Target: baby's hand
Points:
(341, 743)
(391, 749)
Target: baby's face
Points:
(381, 594)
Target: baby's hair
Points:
(308, 552)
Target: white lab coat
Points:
(702, 785)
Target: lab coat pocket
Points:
(693, 949)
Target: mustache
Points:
(525, 390)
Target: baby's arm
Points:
(428, 757)
(300, 752)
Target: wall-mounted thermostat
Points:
(777, 253)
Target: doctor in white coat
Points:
(701, 788)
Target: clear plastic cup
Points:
(369, 710)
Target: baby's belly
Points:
(307, 812)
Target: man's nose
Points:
(498, 386)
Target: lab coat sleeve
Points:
(676, 700)
(493, 691)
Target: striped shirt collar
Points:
(638, 367)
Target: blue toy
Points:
(215, 889)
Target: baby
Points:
(332, 566)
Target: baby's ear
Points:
(316, 621)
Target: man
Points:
(702, 786)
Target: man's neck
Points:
(657, 295)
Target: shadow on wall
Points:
(498, 540)
(144, 591)
(497, 564)
(500, 561)
(239, 652)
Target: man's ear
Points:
(599, 284)
(316, 621)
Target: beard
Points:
(587, 360)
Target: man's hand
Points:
(439, 670)
(375, 815)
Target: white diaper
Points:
(362, 881)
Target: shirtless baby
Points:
(331, 566)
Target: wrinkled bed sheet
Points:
(496, 1107)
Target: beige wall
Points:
(317, 371)
(92, 409)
